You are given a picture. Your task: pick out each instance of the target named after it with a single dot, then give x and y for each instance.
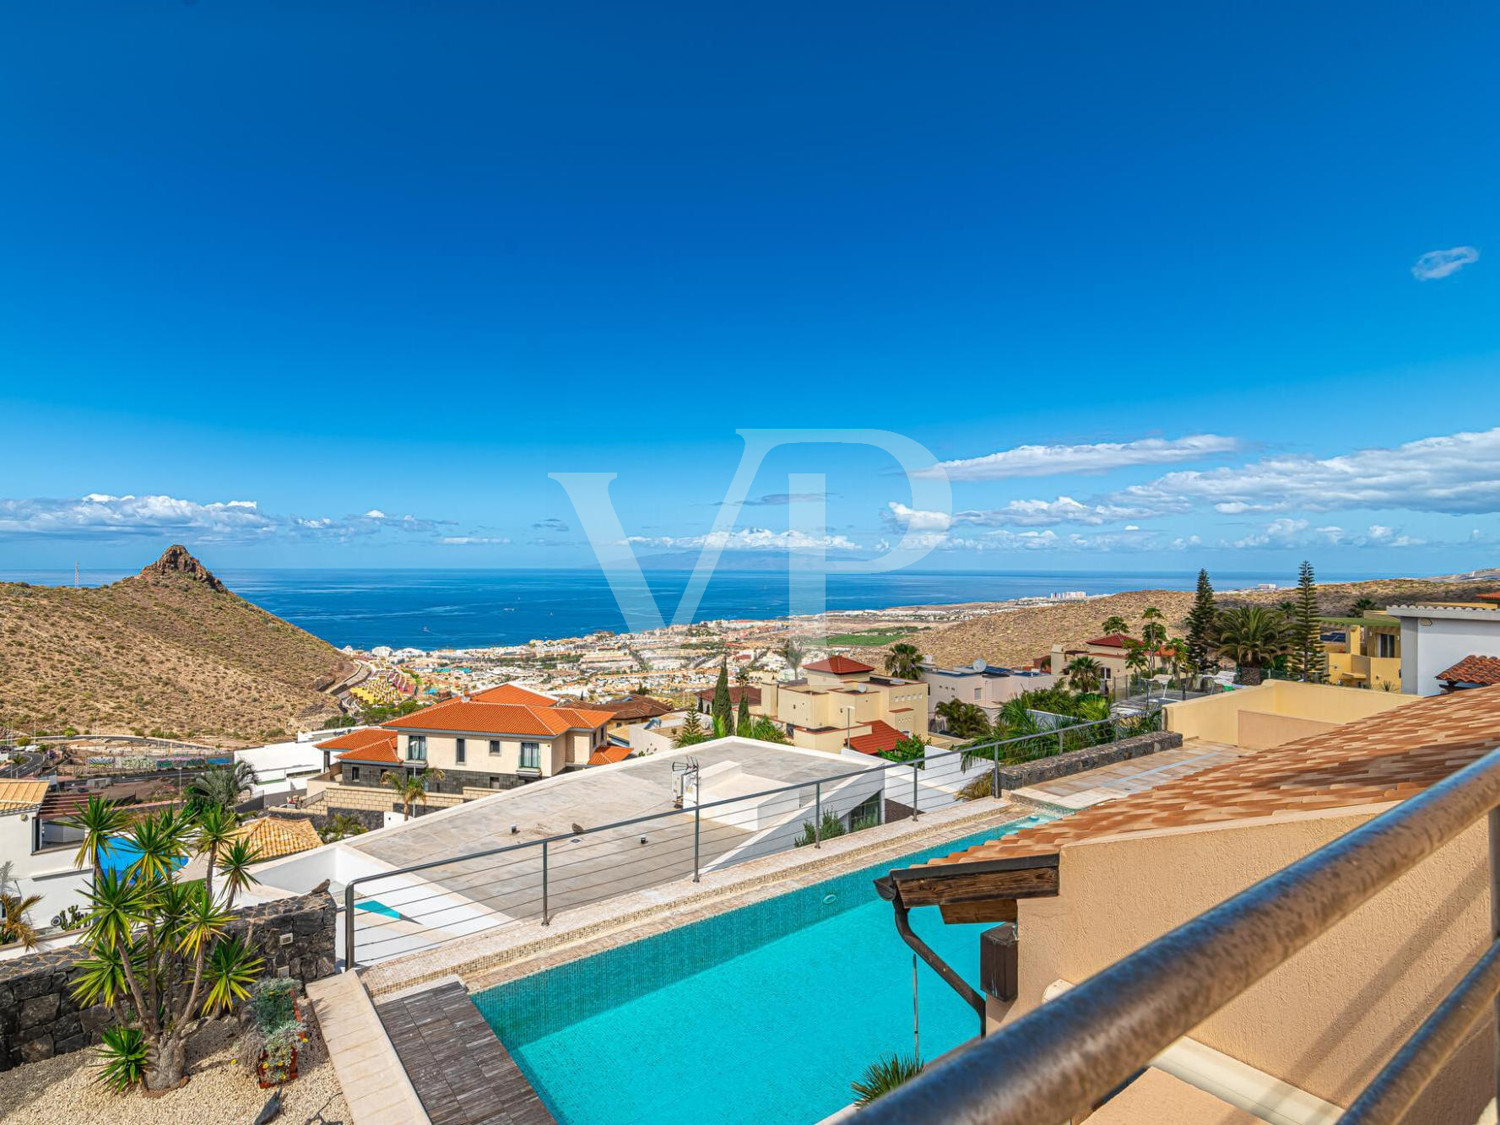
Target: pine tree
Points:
(1309, 659)
(742, 720)
(1201, 620)
(723, 709)
(691, 731)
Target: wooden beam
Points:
(963, 885)
(982, 910)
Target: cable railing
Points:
(424, 905)
(1069, 1055)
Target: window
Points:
(416, 748)
(976, 693)
(353, 773)
(459, 750)
(531, 755)
(495, 747)
(1386, 643)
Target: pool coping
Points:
(755, 882)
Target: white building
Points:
(29, 868)
(1436, 637)
(985, 687)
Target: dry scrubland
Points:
(169, 649)
(1018, 636)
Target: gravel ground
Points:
(221, 1089)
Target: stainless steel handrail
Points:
(1067, 1055)
(351, 961)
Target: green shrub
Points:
(832, 826)
(122, 1055)
(884, 1075)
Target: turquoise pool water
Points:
(375, 906)
(764, 1014)
(119, 853)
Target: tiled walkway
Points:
(1092, 787)
(462, 1073)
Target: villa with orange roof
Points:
(840, 699)
(497, 738)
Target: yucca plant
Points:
(122, 1058)
(884, 1075)
(159, 951)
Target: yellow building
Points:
(1363, 651)
(838, 699)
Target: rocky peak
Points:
(176, 559)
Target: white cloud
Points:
(1016, 513)
(1436, 264)
(474, 540)
(1048, 460)
(101, 515)
(1454, 474)
(747, 539)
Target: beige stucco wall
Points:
(1216, 718)
(442, 753)
(1260, 730)
(1328, 1018)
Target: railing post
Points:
(818, 814)
(349, 928)
(697, 837)
(546, 913)
(1060, 739)
(916, 795)
(995, 772)
(1494, 827)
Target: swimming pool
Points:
(763, 1014)
(119, 852)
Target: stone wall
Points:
(1076, 761)
(39, 1018)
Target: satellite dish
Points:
(980, 665)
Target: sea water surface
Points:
(431, 609)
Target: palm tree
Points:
(963, 720)
(234, 864)
(793, 653)
(1084, 673)
(411, 789)
(99, 820)
(214, 828)
(221, 786)
(1115, 624)
(15, 922)
(339, 826)
(1363, 607)
(904, 661)
(1252, 636)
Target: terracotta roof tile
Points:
(606, 755)
(735, 692)
(1383, 758)
(838, 666)
(468, 717)
(512, 693)
(360, 740)
(1474, 670)
(882, 736)
(276, 836)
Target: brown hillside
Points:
(169, 649)
(1017, 636)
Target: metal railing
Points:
(1068, 1055)
(423, 905)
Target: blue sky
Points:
(377, 269)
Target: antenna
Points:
(76, 583)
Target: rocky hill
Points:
(1018, 636)
(167, 650)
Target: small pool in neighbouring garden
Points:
(760, 1015)
(120, 852)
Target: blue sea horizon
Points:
(473, 608)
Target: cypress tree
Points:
(723, 711)
(742, 720)
(1309, 660)
(1201, 620)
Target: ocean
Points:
(431, 609)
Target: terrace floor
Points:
(1107, 783)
